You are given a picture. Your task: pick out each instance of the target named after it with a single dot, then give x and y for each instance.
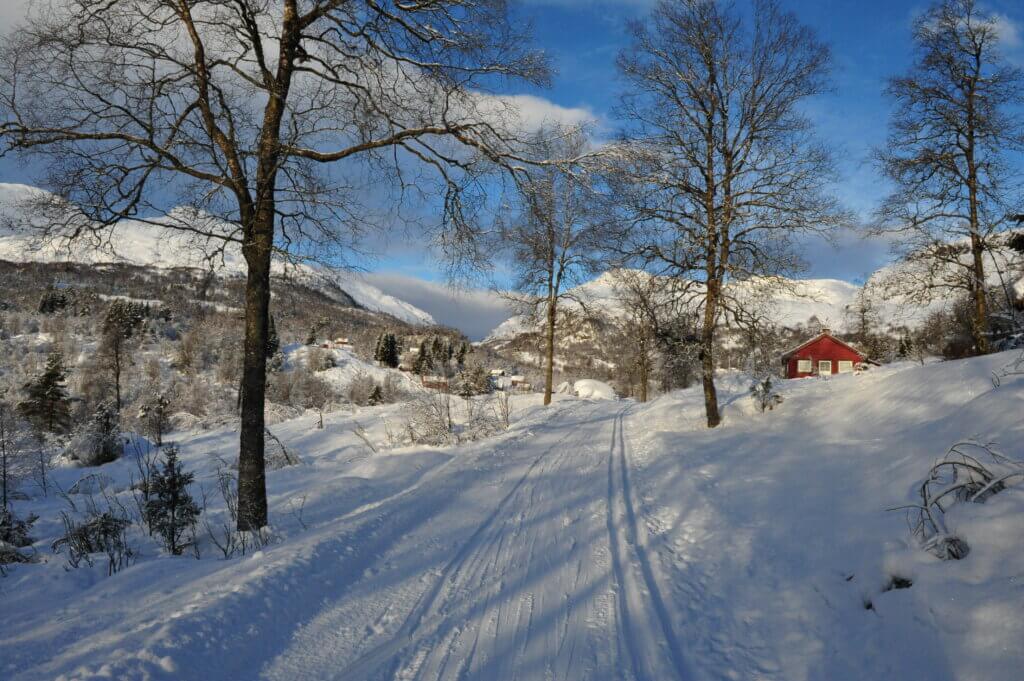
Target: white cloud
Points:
(475, 312)
(1008, 31)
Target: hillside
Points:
(147, 245)
(797, 300)
(599, 540)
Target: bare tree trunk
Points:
(644, 371)
(252, 483)
(979, 324)
(707, 356)
(549, 350)
(117, 349)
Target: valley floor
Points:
(594, 540)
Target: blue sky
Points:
(870, 41)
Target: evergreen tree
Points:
(424, 362)
(390, 355)
(460, 356)
(378, 350)
(171, 511)
(47, 404)
(52, 301)
(376, 396)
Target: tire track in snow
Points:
(371, 661)
(642, 611)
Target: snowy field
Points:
(592, 540)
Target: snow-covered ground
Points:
(593, 540)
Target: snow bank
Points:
(591, 389)
(772, 529)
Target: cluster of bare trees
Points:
(715, 172)
(262, 119)
(271, 120)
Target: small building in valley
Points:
(823, 355)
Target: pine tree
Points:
(52, 301)
(378, 350)
(460, 356)
(390, 356)
(424, 362)
(376, 396)
(47, 404)
(171, 511)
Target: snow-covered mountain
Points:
(135, 242)
(797, 300)
(827, 299)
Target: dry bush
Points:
(970, 472)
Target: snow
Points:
(142, 243)
(347, 367)
(797, 300)
(593, 540)
(826, 299)
(591, 389)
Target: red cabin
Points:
(822, 355)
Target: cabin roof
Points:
(820, 336)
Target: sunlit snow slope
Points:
(140, 243)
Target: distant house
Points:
(439, 383)
(821, 356)
(520, 383)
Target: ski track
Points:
(554, 583)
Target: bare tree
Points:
(15, 437)
(719, 167)
(557, 232)
(954, 125)
(642, 298)
(266, 120)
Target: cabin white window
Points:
(803, 366)
(824, 366)
(845, 366)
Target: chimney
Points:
(827, 332)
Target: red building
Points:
(824, 354)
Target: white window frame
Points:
(804, 366)
(845, 366)
(825, 367)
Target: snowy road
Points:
(535, 570)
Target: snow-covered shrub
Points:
(764, 395)
(170, 510)
(474, 380)
(98, 530)
(221, 525)
(970, 472)
(99, 441)
(482, 420)
(430, 419)
(360, 388)
(155, 416)
(15, 531)
(276, 455)
(503, 408)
